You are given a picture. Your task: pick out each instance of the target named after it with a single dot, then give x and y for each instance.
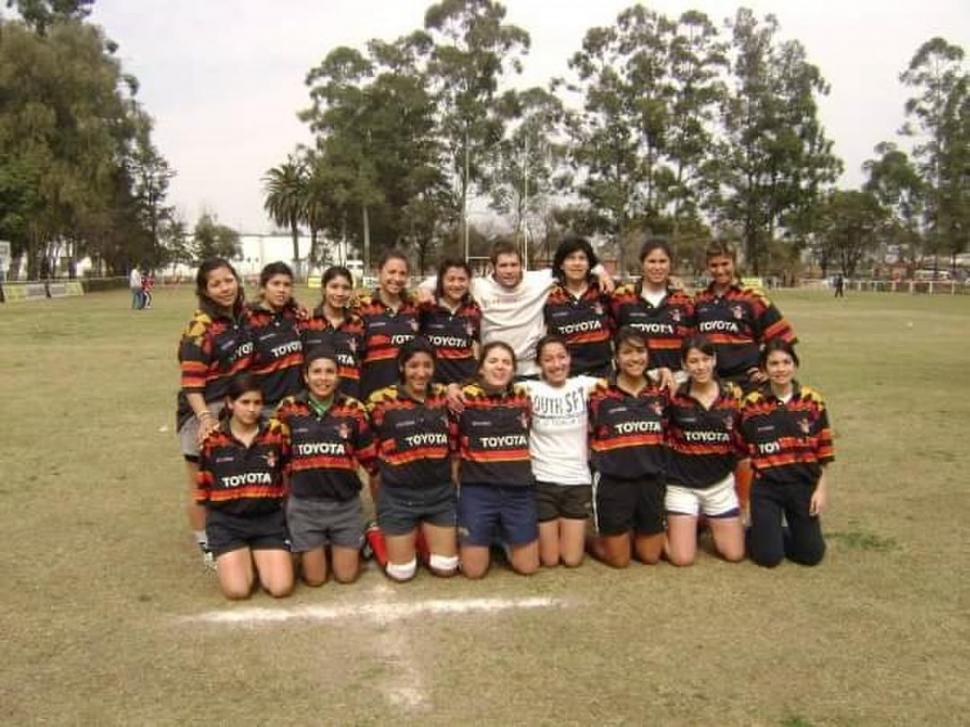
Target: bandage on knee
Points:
(403, 571)
(443, 563)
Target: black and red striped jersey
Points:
(240, 479)
(346, 340)
(493, 437)
(414, 438)
(277, 351)
(586, 325)
(665, 325)
(738, 323)
(385, 331)
(326, 450)
(704, 443)
(454, 335)
(213, 349)
(627, 432)
(789, 442)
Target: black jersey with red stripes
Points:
(414, 439)
(277, 351)
(738, 322)
(493, 437)
(789, 441)
(585, 323)
(326, 449)
(627, 431)
(704, 443)
(346, 339)
(213, 349)
(665, 325)
(385, 331)
(240, 479)
(454, 334)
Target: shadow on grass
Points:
(860, 540)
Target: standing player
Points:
(277, 348)
(497, 489)
(334, 326)
(240, 483)
(662, 313)
(329, 438)
(412, 473)
(390, 320)
(704, 442)
(578, 311)
(215, 347)
(786, 428)
(627, 420)
(452, 323)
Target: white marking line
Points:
(404, 686)
(378, 612)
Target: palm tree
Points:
(285, 187)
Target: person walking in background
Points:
(147, 284)
(137, 295)
(839, 286)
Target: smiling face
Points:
(221, 287)
(631, 359)
(656, 267)
(721, 269)
(337, 291)
(247, 408)
(418, 371)
(575, 267)
(497, 368)
(699, 366)
(455, 284)
(508, 270)
(321, 377)
(780, 368)
(393, 277)
(554, 363)
(278, 291)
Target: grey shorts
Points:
(401, 509)
(189, 432)
(317, 523)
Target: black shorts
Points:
(266, 531)
(553, 501)
(401, 509)
(624, 505)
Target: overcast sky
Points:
(224, 78)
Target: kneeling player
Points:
(240, 482)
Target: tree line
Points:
(670, 126)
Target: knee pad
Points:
(443, 563)
(402, 571)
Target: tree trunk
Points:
(366, 221)
(295, 232)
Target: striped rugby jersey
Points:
(277, 351)
(586, 325)
(789, 442)
(493, 437)
(385, 331)
(627, 432)
(241, 480)
(453, 335)
(414, 439)
(704, 444)
(665, 326)
(346, 340)
(325, 451)
(738, 323)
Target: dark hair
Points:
(701, 343)
(777, 344)
(487, 348)
(336, 271)
(239, 385)
(504, 247)
(202, 282)
(277, 268)
(393, 253)
(319, 352)
(418, 344)
(549, 340)
(719, 248)
(573, 243)
(631, 335)
(655, 243)
(444, 267)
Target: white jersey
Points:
(558, 441)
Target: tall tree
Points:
(39, 15)
(285, 191)
(851, 223)
(212, 239)
(897, 185)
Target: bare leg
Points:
(314, 566)
(614, 550)
(549, 543)
(728, 537)
(524, 559)
(681, 539)
(275, 569)
(346, 563)
(235, 570)
(649, 547)
(474, 561)
(572, 540)
(443, 541)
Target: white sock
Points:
(201, 538)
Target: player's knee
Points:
(281, 589)
(679, 559)
(402, 572)
(444, 566)
(572, 561)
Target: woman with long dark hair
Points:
(452, 323)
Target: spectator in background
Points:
(137, 295)
(839, 286)
(147, 284)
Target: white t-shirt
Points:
(558, 442)
(134, 279)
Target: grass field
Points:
(107, 617)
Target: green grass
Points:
(101, 574)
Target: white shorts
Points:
(718, 500)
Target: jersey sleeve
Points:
(195, 354)
(365, 445)
(204, 477)
(769, 323)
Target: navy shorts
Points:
(487, 511)
(400, 509)
(226, 532)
